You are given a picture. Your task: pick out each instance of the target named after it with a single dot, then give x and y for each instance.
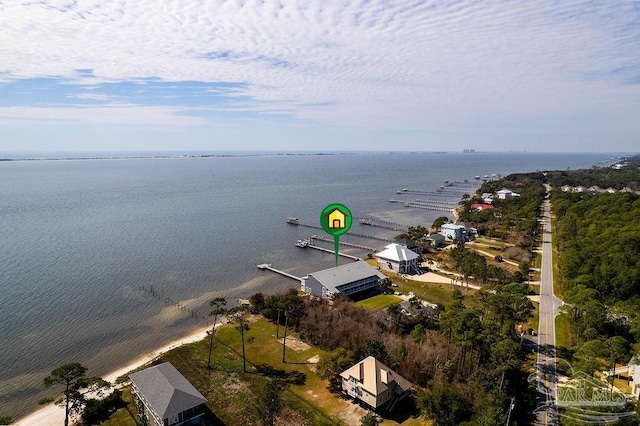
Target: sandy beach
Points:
(53, 415)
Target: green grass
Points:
(379, 302)
(231, 393)
(124, 416)
(438, 293)
(534, 322)
(563, 331)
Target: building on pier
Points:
(347, 279)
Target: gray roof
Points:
(166, 390)
(397, 253)
(344, 274)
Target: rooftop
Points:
(344, 274)
(166, 390)
(397, 253)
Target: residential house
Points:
(375, 384)
(481, 206)
(453, 232)
(411, 245)
(505, 193)
(566, 188)
(436, 240)
(166, 398)
(487, 197)
(398, 258)
(634, 375)
(348, 279)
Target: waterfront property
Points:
(165, 398)
(348, 279)
(453, 232)
(375, 384)
(398, 258)
(505, 193)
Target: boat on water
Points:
(302, 243)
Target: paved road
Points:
(549, 304)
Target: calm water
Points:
(79, 238)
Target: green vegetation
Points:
(563, 331)
(379, 302)
(72, 377)
(597, 243)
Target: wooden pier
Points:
(343, 243)
(278, 271)
(348, 256)
(294, 221)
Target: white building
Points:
(453, 232)
(348, 279)
(505, 193)
(398, 258)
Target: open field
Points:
(379, 302)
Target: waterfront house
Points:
(481, 206)
(436, 240)
(348, 279)
(487, 197)
(165, 398)
(505, 193)
(374, 384)
(452, 232)
(398, 258)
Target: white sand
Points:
(53, 415)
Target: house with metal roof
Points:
(505, 193)
(166, 398)
(375, 384)
(398, 258)
(348, 279)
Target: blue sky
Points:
(542, 75)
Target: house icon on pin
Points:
(337, 219)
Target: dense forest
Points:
(598, 242)
(465, 362)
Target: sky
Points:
(490, 75)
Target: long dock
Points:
(294, 221)
(348, 256)
(372, 221)
(428, 207)
(343, 243)
(277, 271)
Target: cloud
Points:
(377, 64)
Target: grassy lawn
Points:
(124, 416)
(563, 331)
(379, 302)
(535, 320)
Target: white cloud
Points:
(379, 63)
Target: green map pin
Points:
(336, 220)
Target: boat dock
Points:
(372, 221)
(278, 271)
(294, 221)
(309, 245)
(428, 206)
(343, 243)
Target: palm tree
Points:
(218, 309)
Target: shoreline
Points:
(53, 415)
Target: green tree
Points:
(331, 364)
(76, 385)
(238, 315)
(368, 419)
(6, 420)
(217, 310)
(269, 401)
(445, 404)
